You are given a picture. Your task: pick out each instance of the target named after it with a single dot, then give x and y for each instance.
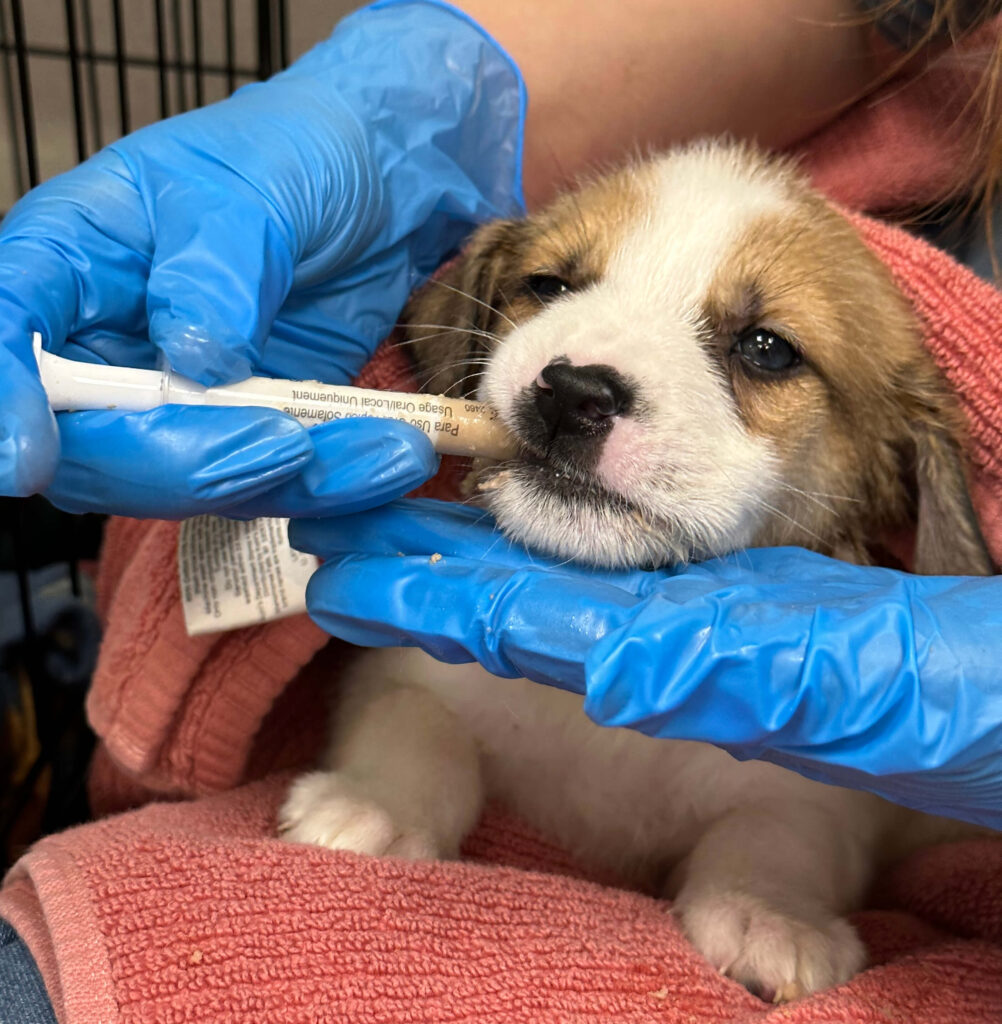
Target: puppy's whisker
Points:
(469, 376)
(461, 364)
(428, 383)
(821, 494)
(837, 497)
(473, 298)
(507, 302)
(817, 496)
(455, 384)
(446, 329)
(762, 503)
(809, 497)
(424, 337)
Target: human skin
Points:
(604, 78)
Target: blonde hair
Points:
(950, 22)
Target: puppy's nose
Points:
(580, 400)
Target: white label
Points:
(237, 574)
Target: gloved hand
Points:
(278, 232)
(864, 677)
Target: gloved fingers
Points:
(221, 270)
(74, 255)
(329, 329)
(417, 526)
(422, 526)
(112, 348)
(533, 623)
(291, 207)
(750, 663)
(174, 461)
(856, 676)
(39, 291)
(357, 464)
(846, 665)
(29, 442)
(56, 273)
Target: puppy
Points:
(697, 354)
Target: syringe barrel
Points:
(455, 426)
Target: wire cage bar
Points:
(125, 65)
(74, 76)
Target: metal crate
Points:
(116, 66)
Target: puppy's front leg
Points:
(763, 893)
(403, 775)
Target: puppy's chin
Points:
(572, 516)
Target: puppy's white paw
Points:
(333, 810)
(777, 956)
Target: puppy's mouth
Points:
(569, 481)
(563, 510)
(548, 474)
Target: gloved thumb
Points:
(29, 441)
(221, 270)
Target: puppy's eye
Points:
(546, 286)
(765, 350)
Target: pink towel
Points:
(194, 911)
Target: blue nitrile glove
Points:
(279, 232)
(864, 677)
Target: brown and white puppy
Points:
(698, 355)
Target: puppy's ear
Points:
(451, 320)
(948, 539)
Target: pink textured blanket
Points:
(192, 910)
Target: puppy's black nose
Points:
(580, 400)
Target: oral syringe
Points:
(455, 426)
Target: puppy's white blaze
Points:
(701, 201)
(683, 457)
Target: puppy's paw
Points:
(333, 810)
(777, 956)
